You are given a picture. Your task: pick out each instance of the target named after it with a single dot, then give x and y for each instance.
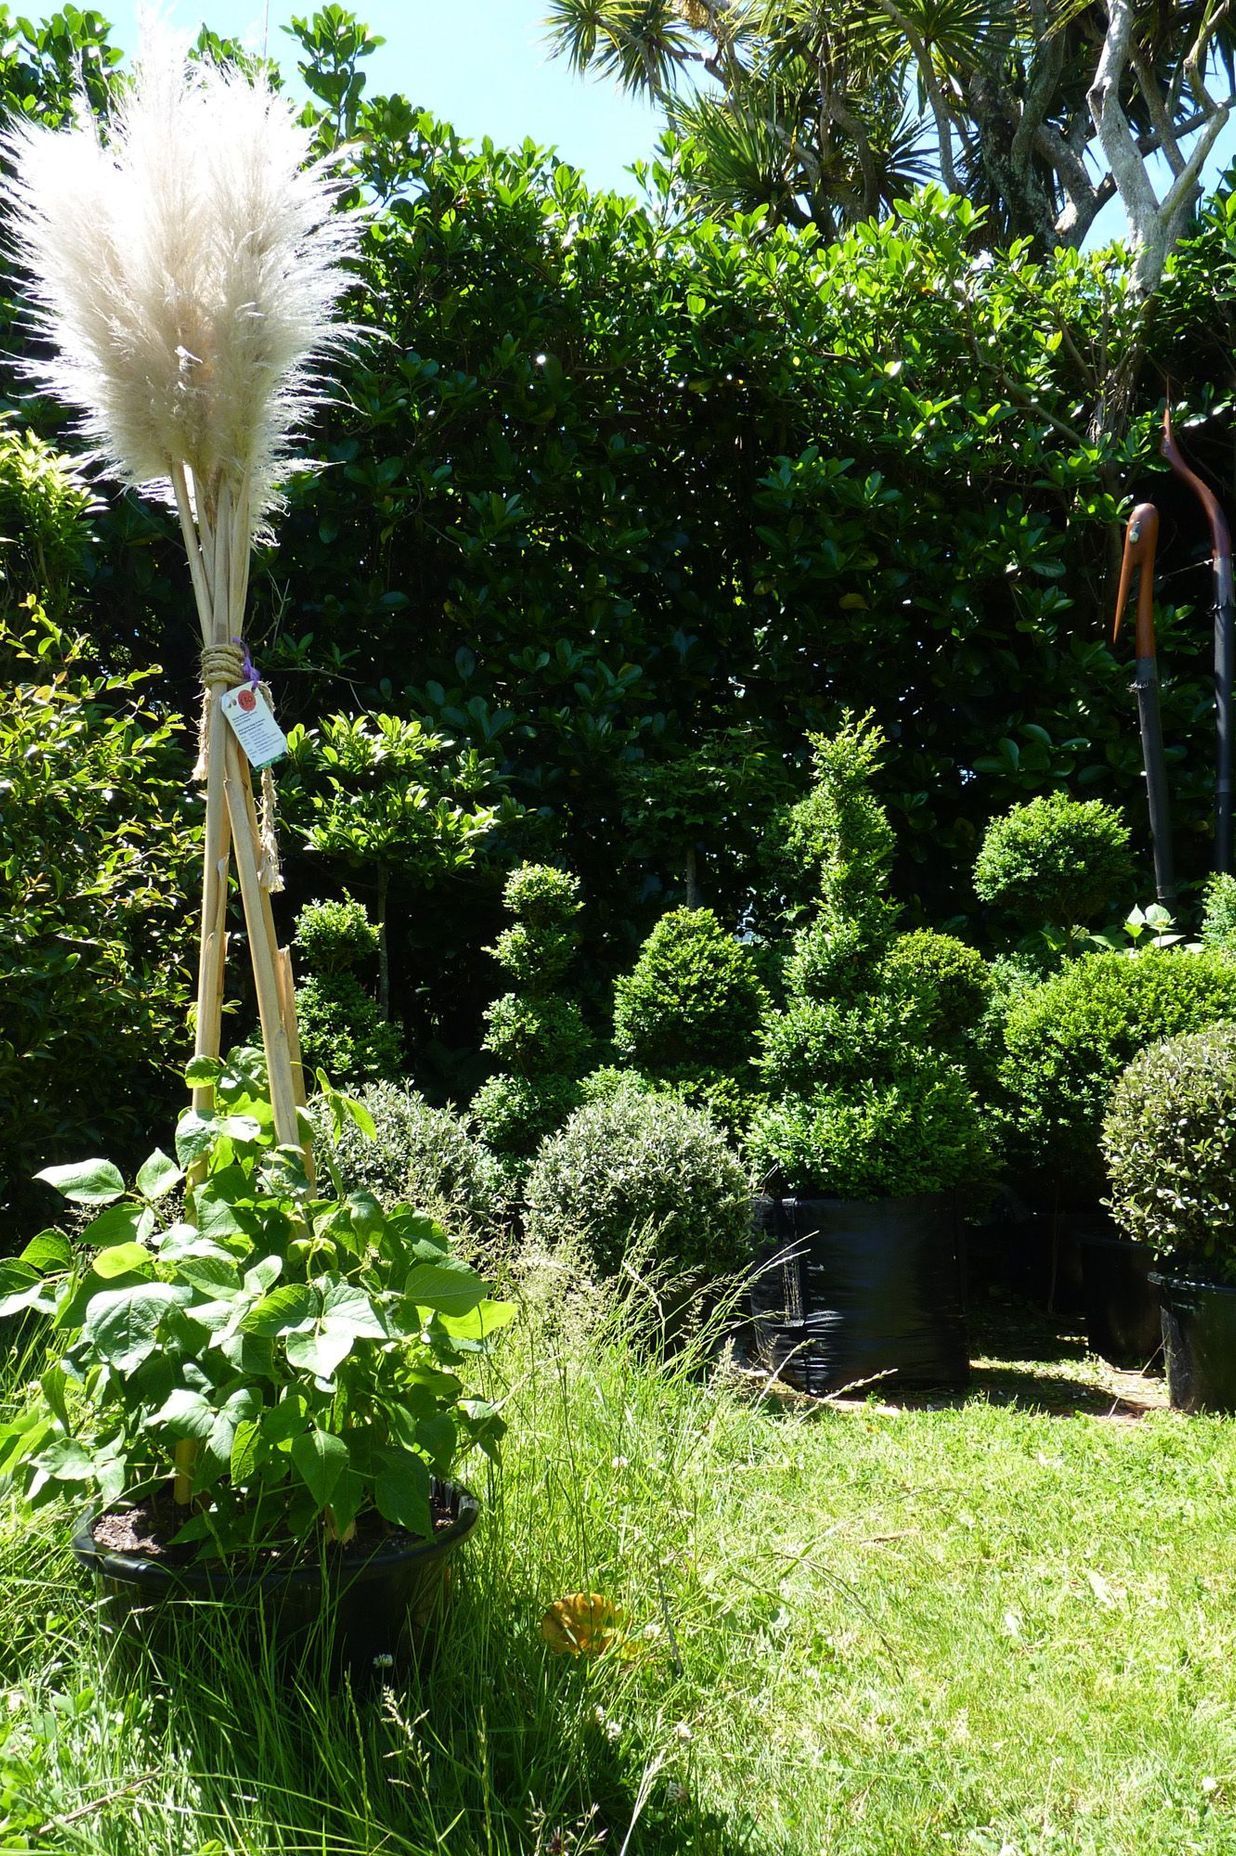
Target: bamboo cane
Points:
(189, 345)
(263, 947)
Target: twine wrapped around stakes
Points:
(226, 667)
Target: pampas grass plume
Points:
(184, 272)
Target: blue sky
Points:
(481, 64)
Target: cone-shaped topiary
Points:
(866, 1067)
(538, 1037)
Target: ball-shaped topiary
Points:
(693, 997)
(1170, 1145)
(1056, 862)
(1067, 1040)
(920, 1132)
(543, 896)
(335, 936)
(945, 982)
(639, 1172)
(418, 1155)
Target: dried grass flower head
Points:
(185, 268)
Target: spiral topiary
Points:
(537, 1036)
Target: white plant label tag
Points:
(254, 726)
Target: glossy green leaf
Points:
(88, 1182)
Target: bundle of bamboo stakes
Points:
(184, 267)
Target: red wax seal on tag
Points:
(246, 701)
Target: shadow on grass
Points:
(1022, 1359)
(489, 1746)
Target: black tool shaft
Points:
(1146, 683)
(1225, 660)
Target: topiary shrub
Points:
(921, 1132)
(1056, 862)
(945, 984)
(1067, 1040)
(419, 1155)
(687, 1015)
(1170, 1145)
(341, 1029)
(866, 1096)
(840, 830)
(641, 1170)
(537, 1036)
(1219, 918)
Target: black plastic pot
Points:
(1199, 1342)
(368, 1617)
(1122, 1310)
(867, 1294)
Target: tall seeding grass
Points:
(870, 1632)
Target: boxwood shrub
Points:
(420, 1155)
(1067, 1041)
(921, 1131)
(1056, 862)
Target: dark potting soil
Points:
(149, 1529)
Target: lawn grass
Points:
(954, 1628)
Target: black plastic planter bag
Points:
(866, 1295)
(1199, 1341)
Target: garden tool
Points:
(1225, 639)
(1139, 546)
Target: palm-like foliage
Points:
(831, 108)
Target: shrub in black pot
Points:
(1170, 1144)
(261, 1398)
(870, 1123)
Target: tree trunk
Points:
(384, 957)
(691, 874)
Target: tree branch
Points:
(931, 84)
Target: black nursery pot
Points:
(866, 1292)
(1199, 1341)
(369, 1618)
(1122, 1310)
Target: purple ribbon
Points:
(248, 668)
